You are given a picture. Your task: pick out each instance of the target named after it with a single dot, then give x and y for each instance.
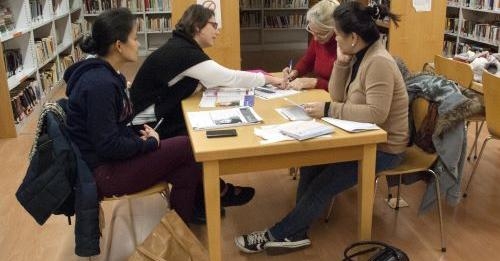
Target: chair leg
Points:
(398, 197)
(476, 164)
(109, 236)
(440, 210)
(329, 211)
(474, 144)
(294, 171)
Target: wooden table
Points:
(244, 153)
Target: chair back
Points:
(491, 89)
(419, 108)
(457, 71)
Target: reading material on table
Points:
(303, 130)
(217, 119)
(268, 92)
(227, 97)
(351, 126)
(294, 113)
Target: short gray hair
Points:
(321, 14)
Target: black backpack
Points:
(378, 251)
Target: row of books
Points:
(159, 24)
(133, 5)
(250, 4)
(92, 6)
(13, 61)
(286, 3)
(65, 62)
(449, 48)
(482, 4)
(76, 29)
(6, 19)
(48, 76)
(452, 25)
(250, 19)
(45, 49)
(285, 21)
(36, 7)
(481, 31)
(24, 99)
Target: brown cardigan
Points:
(376, 95)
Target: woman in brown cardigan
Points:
(365, 86)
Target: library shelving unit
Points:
(154, 19)
(472, 25)
(36, 35)
(273, 24)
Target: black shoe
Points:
(199, 217)
(237, 196)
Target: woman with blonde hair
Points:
(321, 53)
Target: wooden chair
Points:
(162, 188)
(460, 73)
(491, 88)
(416, 160)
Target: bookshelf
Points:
(471, 25)
(38, 37)
(154, 19)
(273, 24)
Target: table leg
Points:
(366, 189)
(212, 205)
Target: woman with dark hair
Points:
(366, 87)
(99, 110)
(177, 70)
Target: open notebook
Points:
(351, 126)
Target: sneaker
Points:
(286, 245)
(253, 242)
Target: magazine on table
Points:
(224, 118)
(220, 97)
(269, 92)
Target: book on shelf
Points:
(224, 118)
(303, 130)
(36, 7)
(351, 126)
(24, 98)
(13, 61)
(6, 19)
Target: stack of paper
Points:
(351, 126)
(302, 130)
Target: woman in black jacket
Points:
(99, 110)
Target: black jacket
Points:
(58, 181)
(98, 113)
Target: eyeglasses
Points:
(215, 25)
(321, 35)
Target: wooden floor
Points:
(472, 227)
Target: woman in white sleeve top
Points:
(178, 69)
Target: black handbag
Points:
(379, 251)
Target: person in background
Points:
(99, 110)
(321, 53)
(366, 86)
(179, 69)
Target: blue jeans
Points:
(317, 185)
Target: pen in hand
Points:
(158, 124)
